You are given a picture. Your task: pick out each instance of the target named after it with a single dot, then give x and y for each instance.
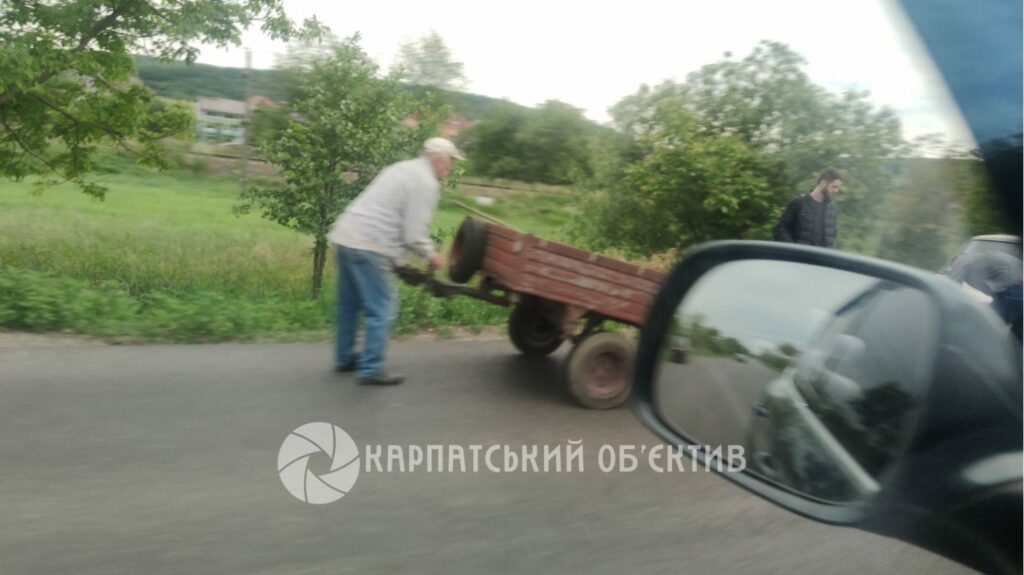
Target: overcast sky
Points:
(765, 303)
(591, 55)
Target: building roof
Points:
(255, 101)
(454, 125)
(222, 105)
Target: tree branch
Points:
(27, 150)
(158, 13)
(103, 24)
(110, 131)
(83, 43)
(121, 138)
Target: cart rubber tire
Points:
(599, 371)
(532, 332)
(466, 256)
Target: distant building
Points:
(449, 128)
(220, 120)
(257, 101)
(454, 125)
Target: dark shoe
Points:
(347, 367)
(380, 379)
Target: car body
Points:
(1002, 243)
(680, 349)
(898, 418)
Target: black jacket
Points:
(797, 224)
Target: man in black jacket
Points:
(811, 218)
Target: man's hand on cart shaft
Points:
(435, 261)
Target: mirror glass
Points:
(815, 372)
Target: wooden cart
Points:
(560, 293)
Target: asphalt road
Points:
(712, 399)
(162, 459)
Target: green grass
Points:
(154, 232)
(163, 259)
(36, 301)
(537, 213)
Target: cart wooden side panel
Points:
(528, 264)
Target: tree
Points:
(682, 188)
(548, 144)
(347, 124)
(66, 76)
(180, 81)
(268, 123)
(553, 144)
(757, 127)
(429, 62)
(491, 144)
(926, 221)
(303, 52)
(944, 198)
(769, 102)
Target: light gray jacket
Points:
(392, 215)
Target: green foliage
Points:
(543, 214)
(170, 231)
(37, 302)
(925, 223)
(707, 340)
(769, 102)
(553, 144)
(66, 77)
(174, 231)
(472, 106)
(34, 301)
(418, 309)
(548, 144)
(683, 189)
(40, 302)
(268, 124)
(165, 260)
(428, 62)
(1005, 162)
(988, 211)
(181, 81)
(719, 155)
(351, 127)
(490, 144)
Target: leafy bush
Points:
(35, 301)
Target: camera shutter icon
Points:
(311, 439)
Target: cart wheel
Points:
(600, 370)
(532, 331)
(467, 254)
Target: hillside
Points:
(184, 82)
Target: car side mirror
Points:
(847, 389)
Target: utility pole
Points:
(247, 123)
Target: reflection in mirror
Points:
(814, 371)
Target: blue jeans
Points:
(364, 284)
(1008, 305)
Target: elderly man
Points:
(389, 218)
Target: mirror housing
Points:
(956, 487)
